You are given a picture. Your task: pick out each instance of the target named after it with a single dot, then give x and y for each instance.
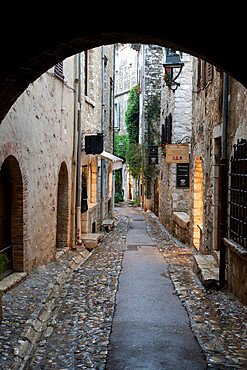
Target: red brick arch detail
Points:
(14, 150)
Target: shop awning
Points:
(116, 161)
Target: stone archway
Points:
(62, 208)
(11, 217)
(54, 43)
(198, 204)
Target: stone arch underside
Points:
(37, 55)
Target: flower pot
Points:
(149, 204)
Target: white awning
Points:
(116, 161)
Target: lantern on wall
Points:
(173, 67)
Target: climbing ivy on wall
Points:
(152, 120)
(132, 115)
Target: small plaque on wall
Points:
(177, 153)
(183, 175)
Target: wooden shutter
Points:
(199, 67)
(58, 70)
(209, 72)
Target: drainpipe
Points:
(78, 178)
(224, 182)
(103, 116)
(74, 156)
(113, 101)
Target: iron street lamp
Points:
(173, 65)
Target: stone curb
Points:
(35, 328)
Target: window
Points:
(117, 106)
(86, 71)
(58, 70)
(204, 74)
(111, 98)
(167, 130)
(238, 194)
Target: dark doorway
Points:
(11, 218)
(62, 208)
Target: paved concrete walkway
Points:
(150, 327)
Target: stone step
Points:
(91, 240)
(108, 224)
(207, 270)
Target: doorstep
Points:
(91, 240)
(207, 270)
(12, 280)
(108, 224)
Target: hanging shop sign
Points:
(183, 175)
(177, 153)
(153, 154)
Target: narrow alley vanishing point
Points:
(123, 309)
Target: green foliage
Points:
(134, 158)
(122, 149)
(118, 197)
(3, 261)
(152, 117)
(132, 115)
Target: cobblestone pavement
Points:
(81, 330)
(218, 319)
(76, 334)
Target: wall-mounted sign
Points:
(153, 155)
(183, 175)
(177, 153)
(94, 144)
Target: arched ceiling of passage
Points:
(35, 41)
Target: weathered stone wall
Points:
(150, 59)
(99, 205)
(38, 132)
(179, 105)
(207, 118)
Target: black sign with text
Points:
(183, 175)
(153, 155)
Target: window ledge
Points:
(90, 101)
(236, 248)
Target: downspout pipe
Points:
(113, 101)
(103, 117)
(224, 182)
(74, 156)
(78, 175)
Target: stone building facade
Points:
(150, 57)
(207, 189)
(37, 166)
(35, 150)
(176, 112)
(97, 117)
(206, 151)
(126, 77)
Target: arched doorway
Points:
(198, 204)
(110, 200)
(93, 182)
(11, 218)
(62, 208)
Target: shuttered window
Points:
(58, 70)
(204, 74)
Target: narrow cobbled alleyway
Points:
(122, 307)
(150, 327)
